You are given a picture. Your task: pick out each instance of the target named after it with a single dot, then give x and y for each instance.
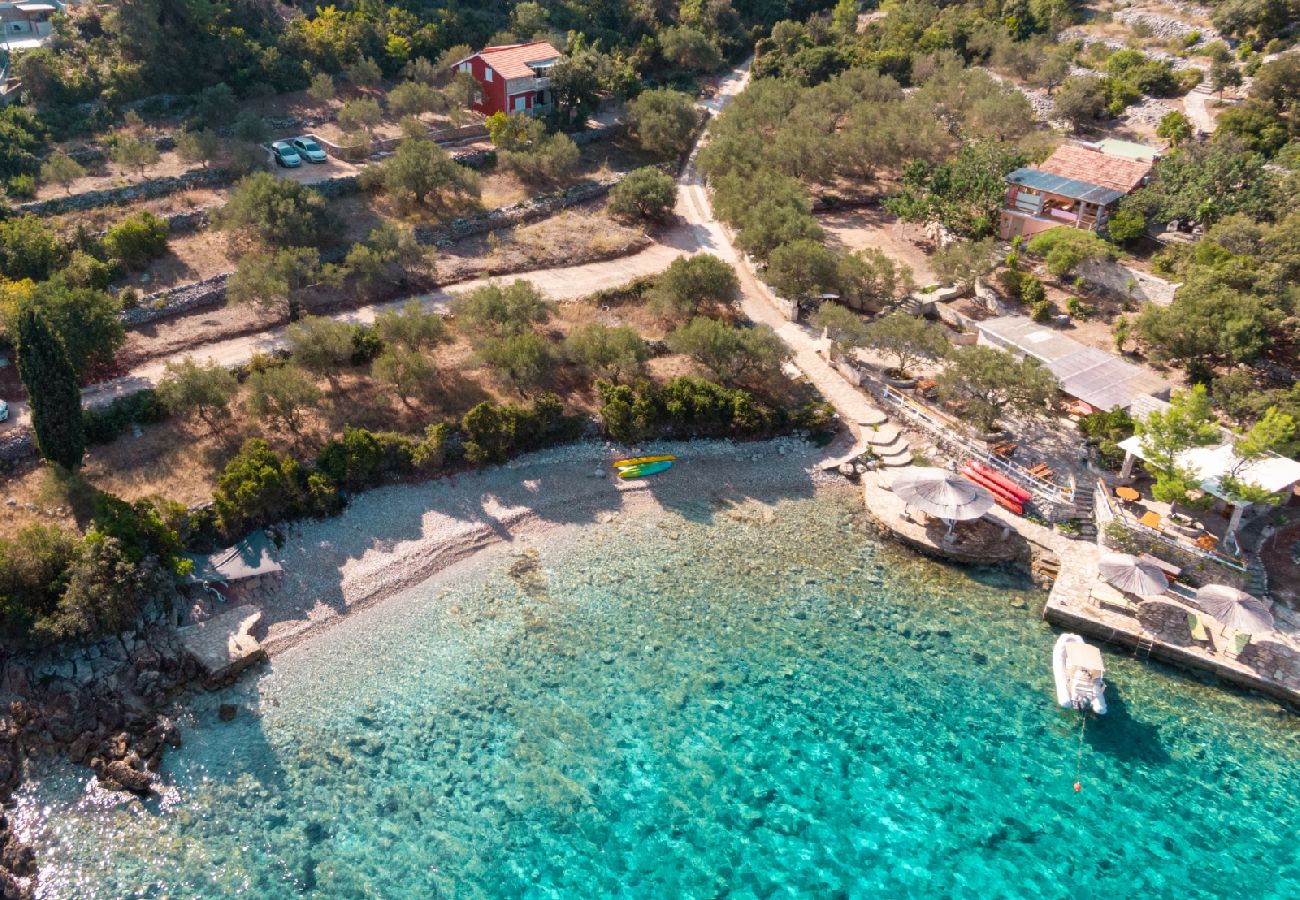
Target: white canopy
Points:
(1275, 474)
(1084, 656)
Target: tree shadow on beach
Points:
(1122, 737)
(699, 490)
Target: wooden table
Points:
(1127, 494)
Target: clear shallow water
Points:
(771, 705)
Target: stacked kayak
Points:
(1006, 493)
(641, 466)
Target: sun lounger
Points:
(1199, 631)
(1107, 597)
(1239, 643)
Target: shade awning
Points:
(249, 558)
(1235, 608)
(1102, 379)
(1084, 656)
(1210, 465)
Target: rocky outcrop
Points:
(123, 775)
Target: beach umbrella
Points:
(942, 494)
(1128, 573)
(1235, 609)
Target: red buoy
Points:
(1078, 786)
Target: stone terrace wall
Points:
(148, 189)
(1118, 279)
(520, 213)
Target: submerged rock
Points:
(119, 776)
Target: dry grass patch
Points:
(577, 235)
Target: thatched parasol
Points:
(1235, 609)
(1136, 576)
(942, 494)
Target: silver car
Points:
(285, 155)
(309, 149)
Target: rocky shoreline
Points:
(113, 705)
(110, 706)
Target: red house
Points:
(513, 77)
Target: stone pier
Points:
(1151, 628)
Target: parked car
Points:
(285, 155)
(4, 411)
(309, 149)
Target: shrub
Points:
(29, 248)
(607, 352)
(1065, 249)
(498, 311)
(137, 239)
(278, 211)
(202, 389)
(1041, 311)
(364, 458)
(663, 121)
(34, 567)
(1104, 430)
(1126, 226)
(103, 424)
(692, 281)
(685, 406)
(645, 193)
(494, 431)
(21, 187)
(1032, 291)
(260, 487)
(729, 353)
(522, 359)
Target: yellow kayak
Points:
(642, 460)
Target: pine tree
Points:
(52, 386)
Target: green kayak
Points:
(640, 470)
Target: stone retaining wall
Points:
(148, 189)
(388, 145)
(520, 213)
(1119, 280)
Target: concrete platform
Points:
(224, 645)
(981, 542)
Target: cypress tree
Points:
(52, 391)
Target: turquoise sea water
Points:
(737, 703)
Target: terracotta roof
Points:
(1095, 167)
(512, 60)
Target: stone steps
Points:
(898, 457)
(883, 435)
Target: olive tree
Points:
(204, 389)
(906, 338)
(990, 382)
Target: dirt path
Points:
(1196, 103)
